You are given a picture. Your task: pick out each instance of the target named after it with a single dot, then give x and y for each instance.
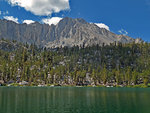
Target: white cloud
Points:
(0, 12)
(28, 21)
(42, 7)
(11, 18)
(101, 25)
(5, 12)
(123, 32)
(53, 20)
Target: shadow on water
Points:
(74, 100)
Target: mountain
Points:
(9, 46)
(68, 32)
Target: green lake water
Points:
(74, 100)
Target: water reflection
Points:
(74, 100)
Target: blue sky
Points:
(131, 17)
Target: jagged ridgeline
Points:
(68, 32)
(110, 65)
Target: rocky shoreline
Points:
(67, 85)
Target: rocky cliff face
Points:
(8, 46)
(68, 32)
(33, 33)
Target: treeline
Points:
(111, 65)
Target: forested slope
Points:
(111, 65)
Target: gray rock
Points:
(23, 83)
(1, 82)
(68, 32)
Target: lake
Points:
(74, 100)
